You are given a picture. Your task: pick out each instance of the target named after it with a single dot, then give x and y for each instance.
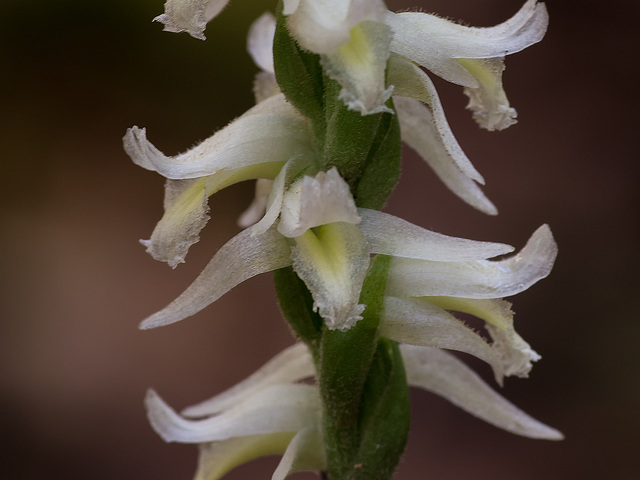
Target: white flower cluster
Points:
(306, 218)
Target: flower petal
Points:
(443, 374)
(390, 235)
(436, 43)
(322, 26)
(292, 169)
(314, 201)
(419, 131)
(410, 81)
(260, 41)
(359, 67)
(258, 206)
(186, 210)
(279, 408)
(477, 279)
(272, 131)
(242, 257)
(488, 101)
(216, 459)
(265, 86)
(189, 16)
(332, 260)
(305, 453)
(418, 322)
(516, 354)
(291, 365)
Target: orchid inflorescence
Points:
(371, 297)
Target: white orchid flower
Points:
(256, 145)
(266, 414)
(420, 294)
(424, 127)
(310, 224)
(353, 41)
(471, 57)
(270, 413)
(313, 225)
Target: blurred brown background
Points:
(75, 282)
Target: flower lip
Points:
(189, 16)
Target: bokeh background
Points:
(75, 282)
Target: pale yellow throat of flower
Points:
(333, 266)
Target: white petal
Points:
(419, 131)
(216, 459)
(279, 408)
(390, 235)
(292, 169)
(186, 210)
(332, 260)
(359, 67)
(436, 43)
(477, 279)
(260, 42)
(418, 322)
(271, 131)
(242, 257)
(289, 366)
(488, 101)
(189, 15)
(305, 453)
(314, 201)
(258, 206)
(443, 374)
(410, 81)
(290, 6)
(516, 355)
(186, 207)
(322, 26)
(265, 86)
